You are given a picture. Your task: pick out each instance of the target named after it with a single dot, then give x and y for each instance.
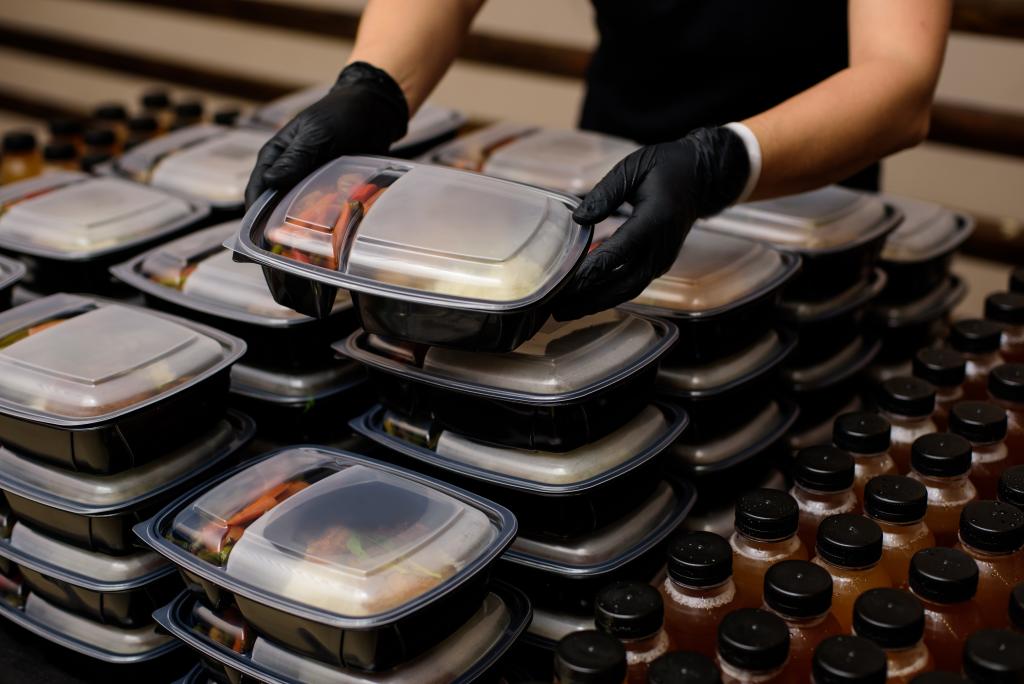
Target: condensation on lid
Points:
(740, 440)
(927, 231)
(114, 640)
(138, 162)
(724, 371)
(288, 386)
(216, 169)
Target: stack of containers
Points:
(107, 412)
(11, 273)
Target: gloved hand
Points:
(670, 185)
(363, 113)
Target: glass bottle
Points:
(942, 463)
(698, 591)
(157, 105)
(70, 131)
(683, 667)
(60, 157)
(766, 525)
(945, 581)
(978, 341)
(633, 613)
(984, 426)
(946, 371)
(140, 130)
(753, 646)
(894, 619)
(800, 593)
(908, 404)
(113, 117)
(992, 533)
(21, 158)
(994, 656)
(101, 141)
(1006, 389)
(1006, 309)
(850, 548)
(866, 437)
(187, 114)
(822, 486)
(848, 659)
(899, 504)
(590, 657)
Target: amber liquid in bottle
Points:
(946, 627)
(905, 664)
(822, 486)
(1006, 390)
(978, 368)
(947, 497)
(945, 397)
(800, 593)
(904, 432)
(850, 549)
(849, 583)
(992, 533)
(753, 647)
(816, 506)
(751, 560)
(998, 574)
(870, 466)
(900, 543)
(640, 653)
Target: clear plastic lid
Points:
(69, 215)
(755, 435)
(564, 361)
(853, 298)
(849, 360)
(933, 306)
(68, 360)
(553, 626)
(715, 273)
(928, 230)
(338, 537)
(11, 272)
(479, 243)
(727, 372)
(831, 219)
(288, 387)
(138, 162)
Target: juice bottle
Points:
(945, 581)
(822, 486)
(942, 462)
(21, 158)
(141, 129)
(800, 593)
(60, 157)
(850, 548)
(1006, 389)
(894, 619)
(908, 404)
(753, 646)
(590, 657)
(992, 533)
(1017, 607)
(698, 591)
(187, 114)
(984, 426)
(113, 117)
(633, 613)
(899, 504)
(1006, 309)
(101, 141)
(978, 341)
(946, 370)
(848, 660)
(1011, 487)
(766, 524)
(68, 131)
(994, 656)
(683, 667)
(866, 437)
(157, 105)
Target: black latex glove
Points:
(363, 113)
(670, 185)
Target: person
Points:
(733, 100)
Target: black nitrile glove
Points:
(670, 185)
(363, 113)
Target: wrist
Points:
(754, 158)
(393, 109)
(723, 167)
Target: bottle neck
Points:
(940, 480)
(846, 568)
(798, 622)
(899, 528)
(985, 555)
(902, 420)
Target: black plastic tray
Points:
(905, 329)
(910, 280)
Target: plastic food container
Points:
(463, 655)
(716, 509)
(721, 292)
(97, 512)
(571, 161)
(916, 255)
(479, 272)
(549, 627)
(569, 385)
(196, 277)
(854, 357)
(99, 387)
(819, 411)
(11, 272)
(68, 228)
(336, 556)
(906, 328)
(807, 314)
(838, 232)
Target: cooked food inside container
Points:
(225, 626)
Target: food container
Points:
(336, 556)
(195, 277)
(463, 655)
(716, 508)
(479, 272)
(569, 385)
(571, 161)
(838, 232)
(549, 627)
(855, 356)
(917, 255)
(906, 328)
(68, 228)
(11, 272)
(819, 411)
(721, 292)
(97, 512)
(805, 315)
(99, 387)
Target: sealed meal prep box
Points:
(568, 385)
(716, 508)
(336, 556)
(479, 271)
(100, 387)
(11, 273)
(808, 374)
(906, 328)
(68, 228)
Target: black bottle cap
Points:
(100, 137)
(156, 99)
(892, 618)
(975, 336)
(943, 575)
(91, 161)
(941, 454)
(191, 109)
(1017, 606)
(798, 589)
(59, 152)
(849, 660)
(63, 126)
(683, 667)
(767, 515)
(19, 141)
(1017, 279)
(994, 656)
(823, 469)
(590, 656)
(850, 540)
(143, 124)
(1005, 307)
(700, 559)
(629, 610)
(1011, 486)
(939, 677)
(940, 367)
(992, 526)
(753, 639)
(895, 499)
(1006, 382)
(907, 396)
(226, 117)
(861, 433)
(110, 112)
(978, 421)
